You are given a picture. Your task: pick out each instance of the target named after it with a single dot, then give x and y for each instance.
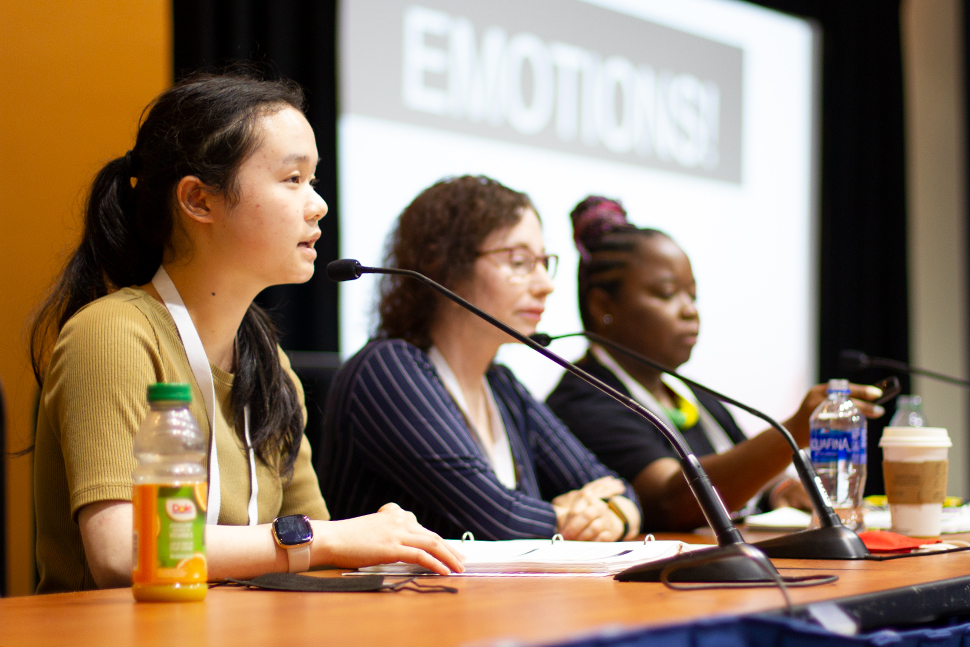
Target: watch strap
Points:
(611, 504)
(299, 558)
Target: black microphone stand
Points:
(831, 540)
(732, 560)
(854, 360)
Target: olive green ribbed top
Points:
(91, 405)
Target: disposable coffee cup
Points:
(914, 467)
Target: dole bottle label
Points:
(169, 534)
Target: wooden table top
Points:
(485, 609)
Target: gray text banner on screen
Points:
(555, 74)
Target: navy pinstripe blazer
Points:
(393, 433)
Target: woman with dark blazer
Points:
(424, 417)
(636, 288)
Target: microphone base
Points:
(833, 542)
(731, 563)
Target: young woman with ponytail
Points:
(214, 203)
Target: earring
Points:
(607, 319)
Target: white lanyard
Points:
(195, 352)
(715, 434)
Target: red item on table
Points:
(883, 541)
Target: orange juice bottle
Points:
(169, 498)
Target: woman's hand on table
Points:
(789, 493)
(583, 515)
(387, 536)
(605, 487)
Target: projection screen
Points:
(699, 115)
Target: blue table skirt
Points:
(769, 631)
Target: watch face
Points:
(293, 530)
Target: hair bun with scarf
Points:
(592, 219)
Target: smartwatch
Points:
(294, 534)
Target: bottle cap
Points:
(170, 392)
(913, 401)
(838, 386)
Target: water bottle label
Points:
(831, 445)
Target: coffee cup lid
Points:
(914, 437)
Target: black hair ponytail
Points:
(206, 126)
(110, 255)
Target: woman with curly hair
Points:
(423, 416)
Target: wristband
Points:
(611, 504)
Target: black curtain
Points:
(295, 39)
(863, 302)
(862, 280)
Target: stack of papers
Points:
(779, 519)
(533, 556)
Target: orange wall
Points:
(74, 77)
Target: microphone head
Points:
(541, 338)
(854, 360)
(344, 269)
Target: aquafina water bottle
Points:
(838, 446)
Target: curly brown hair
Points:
(439, 235)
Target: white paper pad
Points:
(780, 519)
(543, 556)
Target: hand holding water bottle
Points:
(862, 395)
(838, 446)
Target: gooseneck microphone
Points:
(732, 560)
(856, 360)
(831, 540)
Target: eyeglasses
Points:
(523, 262)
